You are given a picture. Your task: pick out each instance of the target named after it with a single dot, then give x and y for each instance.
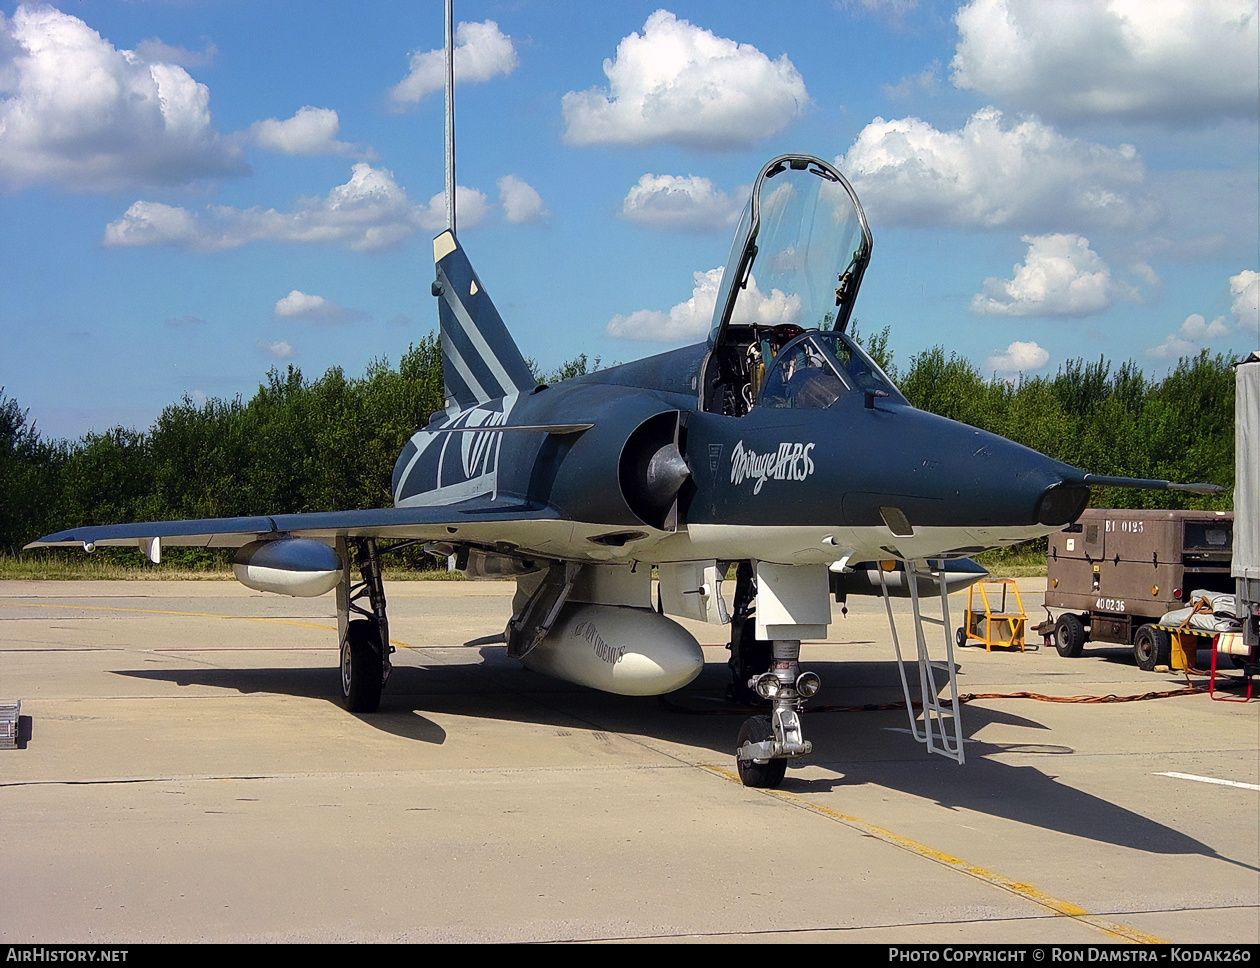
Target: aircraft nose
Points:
(944, 473)
(1020, 485)
(1062, 503)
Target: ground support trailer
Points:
(1115, 573)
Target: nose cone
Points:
(941, 473)
(1062, 503)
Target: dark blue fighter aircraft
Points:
(776, 445)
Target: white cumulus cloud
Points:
(1195, 333)
(151, 223)
(78, 112)
(481, 52)
(691, 319)
(680, 84)
(892, 12)
(1245, 288)
(156, 52)
(369, 212)
(1173, 61)
(311, 131)
(994, 173)
(301, 305)
(927, 81)
(1060, 276)
(1197, 328)
(1018, 358)
(1190, 338)
(521, 203)
(279, 350)
(678, 202)
(471, 208)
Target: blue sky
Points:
(193, 192)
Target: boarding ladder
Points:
(942, 723)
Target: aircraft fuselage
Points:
(865, 477)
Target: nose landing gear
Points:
(766, 743)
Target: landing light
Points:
(767, 685)
(808, 684)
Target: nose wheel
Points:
(763, 774)
(766, 743)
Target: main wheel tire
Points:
(1151, 647)
(764, 776)
(361, 667)
(1069, 635)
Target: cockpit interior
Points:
(784, 367)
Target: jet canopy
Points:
(799, 252)
(794, 268)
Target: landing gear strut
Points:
(365, 648)
(750, 656)
(766, 742)
(765, 672)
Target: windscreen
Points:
(813, 371)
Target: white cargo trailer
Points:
(1246, 560)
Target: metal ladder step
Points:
(942, 720)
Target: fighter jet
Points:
(776, 447)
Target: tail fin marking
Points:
(480, 361)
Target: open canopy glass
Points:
(799, 252)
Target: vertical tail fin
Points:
(480, 361)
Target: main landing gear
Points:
(365, 648)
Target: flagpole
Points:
(450, 118)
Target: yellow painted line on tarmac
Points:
(1060, 907)
(164, 611)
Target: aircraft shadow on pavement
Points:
(858, 743)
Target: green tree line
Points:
(330, 443)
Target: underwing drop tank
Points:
(618, 649)
(301, 567)
(864, 578)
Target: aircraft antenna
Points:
(450, 118)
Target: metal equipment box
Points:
(1115, 571)
(10, 723)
